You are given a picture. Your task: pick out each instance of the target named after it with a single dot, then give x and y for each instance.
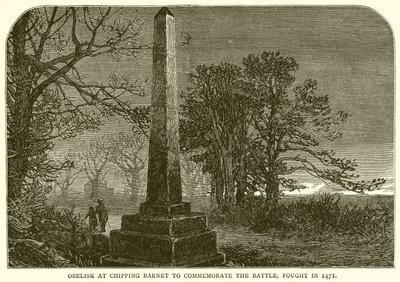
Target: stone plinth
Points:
(154, 241)
(164, 210)
(171, 226)
(218, 259)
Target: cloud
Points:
(313, 188)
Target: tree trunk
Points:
(134, 185)
(272, 189)
(95, 188)
(219, 185)
(18, 149)
(241, 181)
(213, 199)
(228, 175)
(229, 182)
(241, 175)
(64, 192)
(20, 112)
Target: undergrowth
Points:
(318, 214)
(60, 231)
(238, 256)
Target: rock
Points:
(99, 248)
(101, 242)
(32, 253)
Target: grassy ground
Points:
(244, 247)
(302, 248)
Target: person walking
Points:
(102, 213)
(92, 218)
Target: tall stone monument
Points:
(164, 232)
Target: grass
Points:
(42, 236)
(237, 255)
(322, 230)
(315, 215)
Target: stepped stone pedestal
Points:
(163, 241)
(164, 233)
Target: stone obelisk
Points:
(164, 232)
(164, 191)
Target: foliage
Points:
(31, 253)
(210, 127)
(322, 213)
(64, 230)
(243, 214)
(253, 129)
(289, 125)
(48, 95)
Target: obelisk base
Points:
(164, 210)
(216, 260)
(156, 241)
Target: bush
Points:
(243, 214)
(237, 256)
(64, 230)
(367, 220)
(321, 213)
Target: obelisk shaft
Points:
(164, 180)
(164, 232)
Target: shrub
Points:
(368, 220)
(321, 213)
(64, 230)
(238, 255)
(243, 214)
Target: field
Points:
(245, 247)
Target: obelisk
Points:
(164, 191)
(164, 232)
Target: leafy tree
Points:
(49, 97)
(252, 129)
(210, 127)
(129, 153)
(288, 125)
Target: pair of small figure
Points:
(98, 215)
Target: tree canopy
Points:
(49, 97)
(267, 127)
(211, 125)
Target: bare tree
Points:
(95, 154)
(67, 177)
(48, 96)
(129, 153)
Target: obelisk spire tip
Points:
(163, 12)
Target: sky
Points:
(348, 50)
